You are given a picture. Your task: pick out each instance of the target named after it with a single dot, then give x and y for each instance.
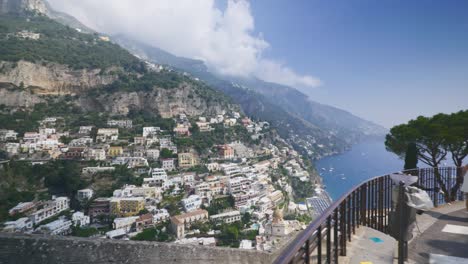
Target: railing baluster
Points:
(348, 218)
(353, 215)
(343, 228)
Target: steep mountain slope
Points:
(40, 58)
(341, 123)
(338, 122)
(304, 135)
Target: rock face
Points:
(52, 78)
(24, 84)
(166, 102)
(13, 97)
(22, 6)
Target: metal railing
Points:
(368, 204)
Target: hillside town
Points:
(236, 194)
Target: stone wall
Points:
(39, 249)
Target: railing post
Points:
(364, 204)
(319, 244)
(435, 193)
(329, 219)
(401, 242)
(335, 236)
(307, 251)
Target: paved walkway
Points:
(445, 241)
(369, 246)
(441, 237)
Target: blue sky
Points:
(387, 61)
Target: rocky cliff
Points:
(183, 99)
(22, 6)
(53, 78)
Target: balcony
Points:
(355, 229)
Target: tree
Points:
(411, 157)
(434, 137)
(166, 154)
(456, 135)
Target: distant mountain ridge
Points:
(305, 136)
(340, 123)
(314, 129)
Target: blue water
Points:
(365, 160)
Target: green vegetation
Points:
(219, 205)
(157, 233)
(301, 189)
(231, 235)
(166, 154)
(303, 218)
(434, 137)
(20, 182)
(84, 231)
(203, 141)
(171, 202)
(77, 50)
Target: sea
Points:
(363, 161)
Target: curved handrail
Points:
(295, 246)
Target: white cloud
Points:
(224, 39)
(276, 72)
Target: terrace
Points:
(356, 228)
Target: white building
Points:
(96, 154)
(192, 202)
(246, 244)
(152, 154)
(121, 123)
(138, 191)
(231, 169)
(214, 166)
(51, 208)
(94, 170)
(57, 227)
(228, 217)
(80, 219)
(12, 148)
(151, 131)
(7, 135)
(124, 223)
(238, 184)
(131, 162)
(20, 225)
(158, 177)
(21, 208)
(85, 130)
(160, 215)
(168, 164)
(83, 141)
(84, 194)
(105, 134)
